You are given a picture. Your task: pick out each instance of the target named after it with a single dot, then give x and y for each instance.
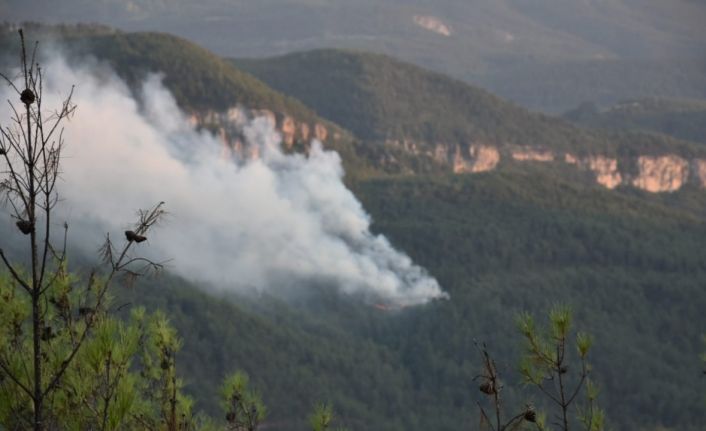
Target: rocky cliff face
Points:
(604, 168)
(481, 158)
(532, 154)
(227, 125)
(655, 174)
(661, 174)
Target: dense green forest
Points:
(631, 265)
(500, 243)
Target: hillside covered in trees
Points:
(380, 98)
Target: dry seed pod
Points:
(530, 415)
(27, 96)
(24, 226)
(487, 388)
(132, 236)
(230, 417)
(563, 369)
(2, 152)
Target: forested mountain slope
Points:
(403, 109)
(632, 268)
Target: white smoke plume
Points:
(278, 221)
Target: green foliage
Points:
(323, 417)
(244, 408)
(280, 347)
(546, 366)
(101, 387)
(123, 377)
(169, 407)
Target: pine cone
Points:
(27, 96)
(24, 226)
(530, 415)
(487, 388)
(132, 236)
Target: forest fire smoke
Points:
(279, 220)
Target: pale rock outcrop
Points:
(304, 131)
(533, 154)
(661, 173)
(605, 169)
(432, 23)
(193, 120)
(483, 157)
(459, 164)
(655, 174)
(227, 125)
(320, 132)
(288, 130)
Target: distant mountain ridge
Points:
(401, 108)
(545, 54)
(683, 119)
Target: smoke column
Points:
(280, 220)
